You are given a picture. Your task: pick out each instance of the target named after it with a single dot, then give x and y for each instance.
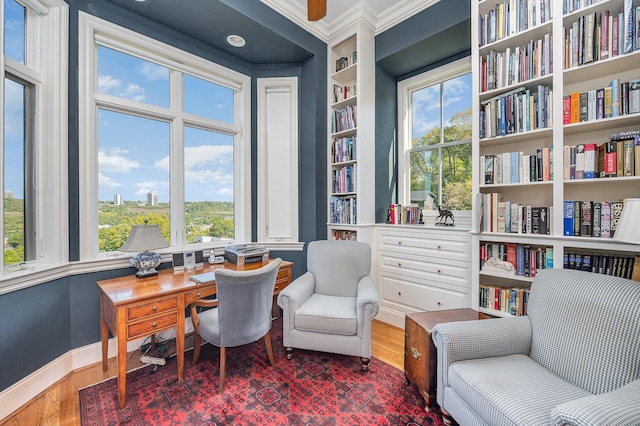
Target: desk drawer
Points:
(151, 308)
(153, 325)
(283, 280)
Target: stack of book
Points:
(514, 218)
(513, 301)
(612, 101)
(397, 214)
(517, 167)
(512, 17)
(344, 119)
(346, 61)
(598, 219)
(595, 36)
(624, 266)
(521, 259)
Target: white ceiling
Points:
(380, 14)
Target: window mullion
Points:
(176, 150)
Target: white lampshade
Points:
(628, 230)
(143, 238)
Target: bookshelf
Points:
(533, 93)
(351, 133)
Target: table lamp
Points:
(144, 238)
(628, 230)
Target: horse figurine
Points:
(444, 215)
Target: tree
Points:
(222, 228)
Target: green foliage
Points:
(455, 160)
(13, 256)
(202, 218)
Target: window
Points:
(435, 138)
(170, 143)
(33, 107)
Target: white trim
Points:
(405, 88)
(326, 30)
(92, 31)
(269, 167)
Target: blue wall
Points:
(40, 323)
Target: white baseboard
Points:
(389, 316)
(40, 380)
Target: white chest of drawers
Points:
(421, 269)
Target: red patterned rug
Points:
(312, 389)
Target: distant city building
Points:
(152, 199)
(117, 199)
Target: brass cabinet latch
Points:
(415, 353)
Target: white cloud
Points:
(208, 177)
(107, 84)
(14, 110)
(145, 187)
(153, 72)
(106, 182)
(115, 161)
(225, 191)
(112, 86)
(133, 92)
(197, 156)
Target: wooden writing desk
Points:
(132, 308)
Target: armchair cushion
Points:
(620, 407)
(494, 388)
(328, 314)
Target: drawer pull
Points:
(439, 246)
(154, 308)
(399, 243)
(399, 293)
(439, 303)
(415, 353)
(400, 264)
(439, 270)
(276, 288)
(153, 324)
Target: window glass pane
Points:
(133, 176)
(132, 78)
(14, 25)
(425, 178)
(208, 99)
(208, 176)
(456, 177)
(425, 116)
(456, 99)
(14, 173)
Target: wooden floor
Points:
(59, 405)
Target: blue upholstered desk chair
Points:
(241, 314)
(330, 308)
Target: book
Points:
(605, 219)
(548, 258)
(575, 107)
(568, 218)
(634, 96)
(599, 104)
(629, 157)
(580, 159)
(624, 135)
(615, 97)
(620, 158)
(590, 164)
(566, 109)
(610, 160)
(586, 218)
(584, 97)
(607, 102)
(628, 36)
(636, 152)
(616, 212)
(597, 216)
(577, 218)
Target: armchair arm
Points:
(294, 295)
(457, 341)
(367, 302)
(620, 407)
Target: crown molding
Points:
(360, 13)
(400, 12)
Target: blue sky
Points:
(134, 152)
(426, 104)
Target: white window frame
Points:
(277, 159)
(46, 58)
(93, 31)
(405, 89)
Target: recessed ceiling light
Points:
(140, 1)
(235, 40)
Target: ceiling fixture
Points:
(235, 40)
(316, 9)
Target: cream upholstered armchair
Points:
(330, 308)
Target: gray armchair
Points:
(330, 308)
(240, 315)
(573, 360)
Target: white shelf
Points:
(583, 78)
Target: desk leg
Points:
(122, 369)
(180, 340)
(104, 338)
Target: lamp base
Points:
(146, 263)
